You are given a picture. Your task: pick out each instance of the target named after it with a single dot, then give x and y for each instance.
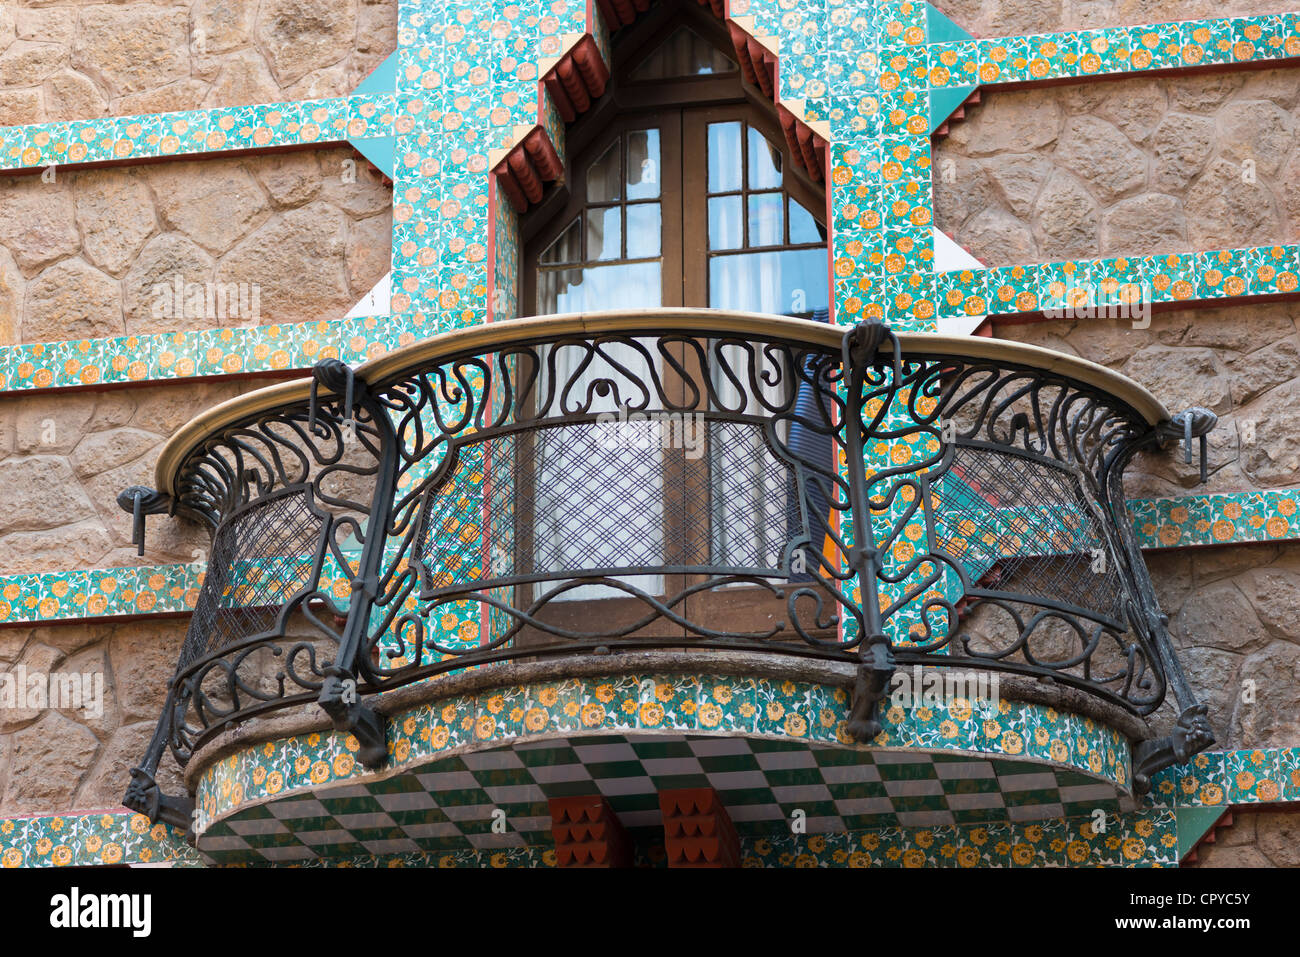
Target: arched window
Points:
(678, 190)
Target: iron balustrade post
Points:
(340, 696)
(876, 653)
(143, 794)
(1191, 732)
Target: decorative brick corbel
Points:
(697, 829)
(588, 833)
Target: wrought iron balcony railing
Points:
(685, 479)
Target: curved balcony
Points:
(570, 489)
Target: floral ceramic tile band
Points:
(89, 838)
(1145, 838)
(1079, 750)
(1208, 277)
(223, 129)
(1086, 53)
(99, 593)
(162, 357)
(1220, 519)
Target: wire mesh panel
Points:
(1026, 527)
(754, 513)
(261, 559)
(564, 502)
(287, 493)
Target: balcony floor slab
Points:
(776, 752)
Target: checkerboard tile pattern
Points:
(497, 799)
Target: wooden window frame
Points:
(681, 109)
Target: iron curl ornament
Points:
(673, 479)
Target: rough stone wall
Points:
(85, 256)
(56, 761)
(997, 18)
(82, 257)
(63, 460)
(1233, 617)
(1241, 362)
(1124, 167)
(74, 60)
(1255, 839)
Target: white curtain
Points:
(570, 492)
(748, 494)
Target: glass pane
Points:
(785, 283)
(643, 164)
(724, 223)
(621, 286)
(553, 285)
(567, 247)
(643, 230)
(685, 53)
(764, 162)
(603, 177)
(604, 234)
(803, 227)
(765, 227)
(724, 157)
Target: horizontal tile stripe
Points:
(194, 132)
(1220, 519)
(1079, 54)
(163, 357)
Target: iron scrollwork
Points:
(510, 446)
(554, 493)
(1023, 558)
(290, 495)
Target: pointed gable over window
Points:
(684, 53)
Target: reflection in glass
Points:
(643, 164)
(603, 176)
(724, 223)
(567, 247)
(764, 162)
(604, 239)
(643, 230)
(685, 53)
(620, 286)
(765, 226)
(780, 282)
(803, 227)
(725, 163)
